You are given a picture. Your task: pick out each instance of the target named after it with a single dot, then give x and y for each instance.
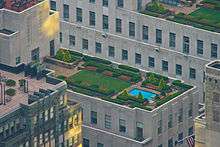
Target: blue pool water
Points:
(147, 95)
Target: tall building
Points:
(28, 32)
(207, 126)
(36, 112)
(129, 28)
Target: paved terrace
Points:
(21, 97)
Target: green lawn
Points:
(94, 79)
(210, 16)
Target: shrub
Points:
(95, 59)
(125, 67)
(62, 77)
(168, 98)
(10, 92)
(181, 85)
(10, 82)
(59, 55)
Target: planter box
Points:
(61, 63)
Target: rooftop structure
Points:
(207, 125)
(203, 14)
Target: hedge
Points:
(10, 83)
(181, 85)
(95, 59)
(125, 67)
(10, 92)
(168, 98)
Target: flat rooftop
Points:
(203, 14)
(116, 83)
(6, 31)
(20, 97)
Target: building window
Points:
(98, 47)
(17, 60)
(190, 111)
(199, 47)
(190, 131)
(118, 25)
(145, 33)
(139, 131)
(214, 50)
(170, 142)
(91, 18)
(122, 126)
(92, 1)
(160, 145)
(172, 40)
(61, 37)
(185, 44)
(180, 138)
(105, 3)
(178, 69)
(124, 54)
(71, 40)
(216, 97)
(170, 121)
(158, 36)
(131, 29)
(85, 44)
(192, 73)
(137, 58)
(66, 12)
(105, 22)
(85, 142)
(180, 115)
(159, 129)
(111, 51)
(108, 121)
(216, 116)
(35, 54)
(53, 5)
(79, 14)
(100, 145)
(164, 65)
(93, 117)
(151, 62)
(120, 3)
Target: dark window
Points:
(170, 121)
(53, 5)
(178, 69)
(79, 14)
(190, 131)
(180, 138)
(61, 37)
(170, 142)
(98, 47)
(105, 22)
(71, 40)
(91, 18)
(66, 12)
(199, 47)
(145, 33)
(18, 60)
(92, 1)
(214, 50)
(190, 110)
(185, 44)
(100, 145)
(52, 48)
(122, 126)
(172, 40)
(151, 62)
(105, 3)
(137, 58)
(180, 115)
(159, 129)
(139, 130)
(93, 117)
(111, 51)
(118, 25)
(192, 73)
(131, 29)
(124, 54)
(164, 65)
(108, 121)
(85, 142)
(85, 44)
(120, 3)
(35, 54)
(158, 36)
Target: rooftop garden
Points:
(206, 16)
(112, 82)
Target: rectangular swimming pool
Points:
(146, 94)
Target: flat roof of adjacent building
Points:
(20, 97)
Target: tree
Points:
(67, 57)
(140, 96)
(162, 84)
(59, 55)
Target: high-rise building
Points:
(28, 32)
(133, 26)
(207, 126)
